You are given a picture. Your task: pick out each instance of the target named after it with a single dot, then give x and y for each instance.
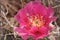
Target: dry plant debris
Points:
(8, 8)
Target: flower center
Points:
(38, 22)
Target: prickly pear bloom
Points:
(34, 20)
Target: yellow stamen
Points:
(37, 22)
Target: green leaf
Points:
(46, 38)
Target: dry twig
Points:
(4, 16)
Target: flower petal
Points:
(21, 32)
(21, 17)
(50, 12)
(44, 31)
(35, 8)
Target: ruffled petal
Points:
(21, 17)
(49, 20)
(43, 31)
(35, 8)
(50, 12)
(21, 32)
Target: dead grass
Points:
(9, 8)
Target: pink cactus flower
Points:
(34, 20)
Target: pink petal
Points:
(44, 30)
(21, 17)
(35, 8)
(21, 32)
(50, 12)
